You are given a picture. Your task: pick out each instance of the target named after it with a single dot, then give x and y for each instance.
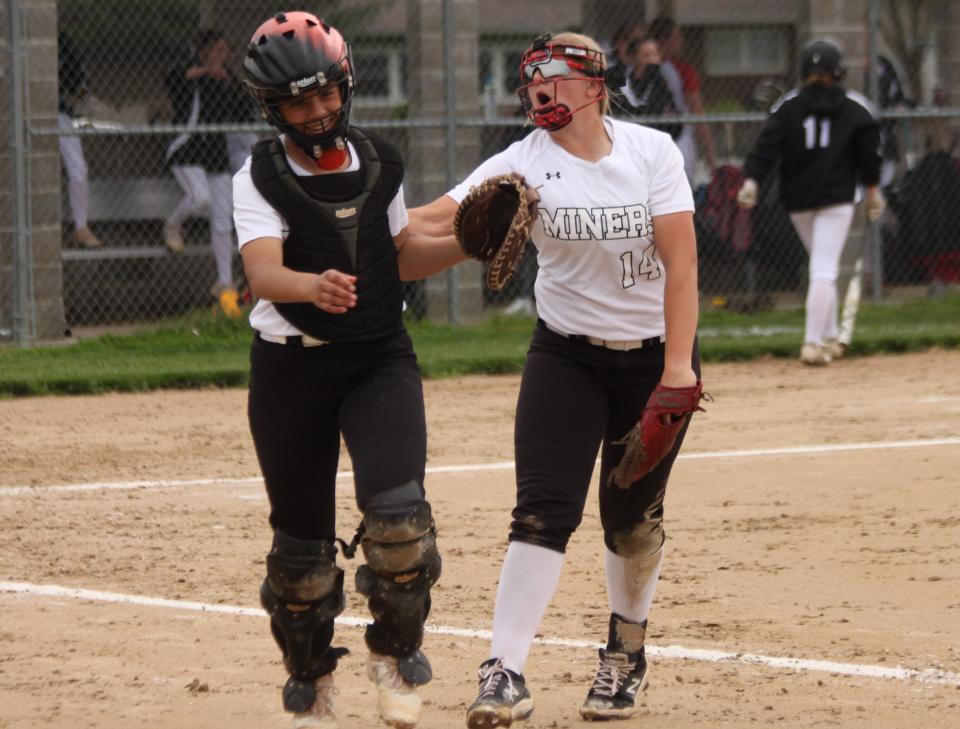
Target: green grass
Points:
(198, 351)
(904, 327)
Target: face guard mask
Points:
(321, 137)
(555, 63)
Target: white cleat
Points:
(815, 355)
(173, 238)
(397, 701)
(835, 348)
(321, 714)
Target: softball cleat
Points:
(503, 698)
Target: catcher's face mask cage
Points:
(545, 64)
(292, 58)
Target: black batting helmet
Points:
(294, 54)
(821, 57)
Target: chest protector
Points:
(347, 230)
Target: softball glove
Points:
(666, 412)
(493, 224)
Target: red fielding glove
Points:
(665, 413)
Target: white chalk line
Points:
(929, 675)
(478, 467)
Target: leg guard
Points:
(399, 544)
(303, 593)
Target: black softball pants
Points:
(575, 397)
(302, 399)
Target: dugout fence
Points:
(437, 78)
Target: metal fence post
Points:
(450, 131)
(874, 239)
(23, 323)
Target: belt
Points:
(624, 345)
(293, 340)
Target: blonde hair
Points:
(579, 39)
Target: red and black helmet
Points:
(294, 54)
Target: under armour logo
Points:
(551, 175)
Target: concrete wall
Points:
(43, 169)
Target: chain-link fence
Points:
(108, 102)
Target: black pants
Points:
(303, 398)
(573, 397)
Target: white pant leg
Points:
(196, 192)
(78, 185)
(827, 229)
(239, 147)
(888, 170)
(803, 224)
(221, 225)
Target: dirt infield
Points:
(845, 558)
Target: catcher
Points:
(325, 241)
(613, 364)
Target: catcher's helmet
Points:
(294, 54)
(821, 57)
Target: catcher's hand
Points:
(493, 224)
(666, 412)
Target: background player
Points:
(827, 140)
(616, 293)
(205, 92)
(684, 82)
(72, 79)
(323, 232)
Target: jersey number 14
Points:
(810, 132)
(648, 268)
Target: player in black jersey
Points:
(827, 141)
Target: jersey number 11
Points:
(810, 132)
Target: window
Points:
(500, 69)
(746, 51)
(379, 73)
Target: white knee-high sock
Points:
(631, 584)
(527, 582)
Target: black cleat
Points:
(620, 678)
(503, 698)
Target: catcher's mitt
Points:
(666, 412)
(493, 224)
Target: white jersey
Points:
(599, 273)
(255, 218)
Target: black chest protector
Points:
(339, 222)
